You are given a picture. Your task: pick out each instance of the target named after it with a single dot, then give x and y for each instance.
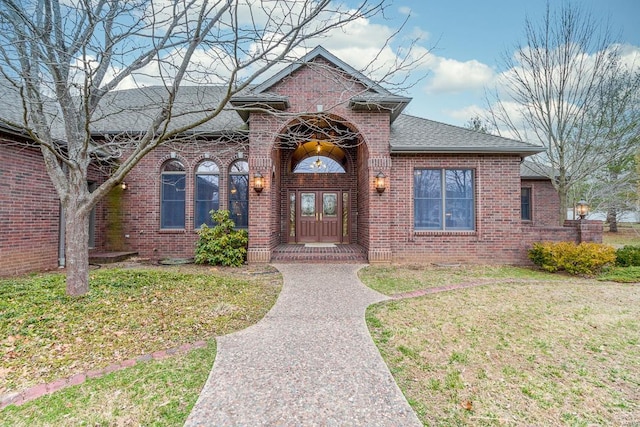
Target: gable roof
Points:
(409, 134)
(374, 98)
(321, 52)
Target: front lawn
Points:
(539, 350)
(46, 335)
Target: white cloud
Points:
(466, 113)
(406, 10)
(452, 76)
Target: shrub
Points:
(628, 256)
(222, 244)
(585, 258)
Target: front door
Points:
(319, 216)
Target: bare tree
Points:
(553, 93)
(67, 58)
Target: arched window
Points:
(318, 157)
(239, 193)
(207, 192)
(172, 195)
(318, 164)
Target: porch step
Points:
(319, 254)
(109, 257)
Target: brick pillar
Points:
(380, 212)
(587, 230)
(260, 211)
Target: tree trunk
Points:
(564, 206)
(77, 250)
(612, 219)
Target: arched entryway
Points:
(319, 182)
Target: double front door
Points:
(319, 216)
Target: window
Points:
(239, 193)
(207, 192)
(525, 203)
(172, 195)
(318, 164)
(443, 199)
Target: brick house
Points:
(318, 161)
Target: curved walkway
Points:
(309, 362)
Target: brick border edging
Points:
(32, 393)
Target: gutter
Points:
(467, 150)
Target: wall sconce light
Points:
(123, 185)
(379, 183)
(582, 209)
(258, 182)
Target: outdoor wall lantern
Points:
(582, 209)
(258, 182)
(123, 185)
(380, 183)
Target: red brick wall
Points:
(496, 238)
(313, 88)
(545, 203)
(30, 212)
(141, 217)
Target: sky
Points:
(467, 39)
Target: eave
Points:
(247, 103)
(522, 151)
(394, 104)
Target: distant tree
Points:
(64, 57)
(478, 124)
(618, 115)
(553, 91)
(614, 190)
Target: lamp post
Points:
(582, 209)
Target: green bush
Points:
(585, 258)
(628, 256)
(222, 244)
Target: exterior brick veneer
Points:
(382, 224)
(30, 211)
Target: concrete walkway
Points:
(309, 362)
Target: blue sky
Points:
(463, 42)
(470, 36)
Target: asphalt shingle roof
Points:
(132, 110)
(411, 134)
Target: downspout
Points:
(61, 234)
(61, 240)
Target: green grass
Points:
(158, 393)
(628, 234)
(394, 279)
(46, 335)
(621, 275)
(564, 351)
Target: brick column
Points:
(261, 213)
(587, 230)
(380, 212)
